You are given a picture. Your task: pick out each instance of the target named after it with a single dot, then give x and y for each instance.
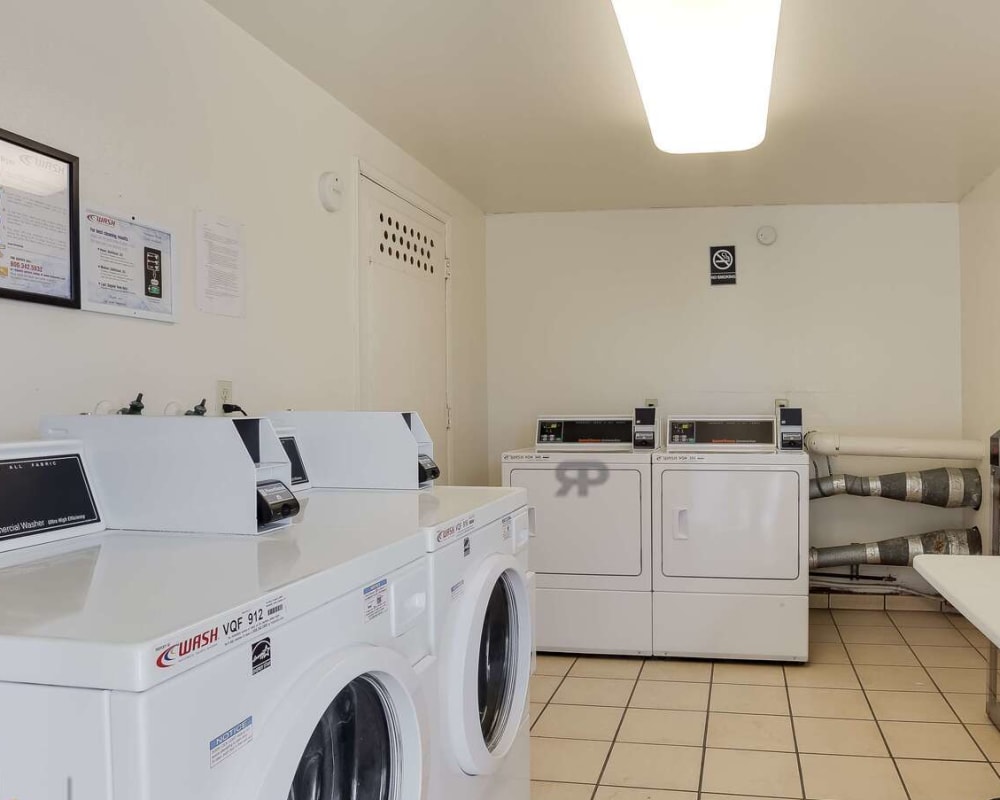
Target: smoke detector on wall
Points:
(767, 235)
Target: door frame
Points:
(363, 169)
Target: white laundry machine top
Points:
(435, 516)
(128, 610)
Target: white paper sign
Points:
(34, 223)
(127, 268)
(221, 259)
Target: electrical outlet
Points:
(652, 402)
(223, 394)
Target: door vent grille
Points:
(404, 244)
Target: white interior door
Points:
(598, 532)
(730, 524)
(404, 311)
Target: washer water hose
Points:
(946, 487)
(900, 551)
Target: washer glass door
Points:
(352, 751)
(497, 662)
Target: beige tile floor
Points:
(891, 706)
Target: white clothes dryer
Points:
(592, 552)
(151, 666)
(731, 549)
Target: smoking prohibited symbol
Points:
(722, 264)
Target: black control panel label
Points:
(44, 494)
(299, 474)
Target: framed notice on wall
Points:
(39, 223)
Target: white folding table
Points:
(972, 585)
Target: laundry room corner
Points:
(852, 314)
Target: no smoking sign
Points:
(722, 264)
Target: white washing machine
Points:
(476, 542)
(156, 665)
(730, 542)
(481, 622)
(592, 552)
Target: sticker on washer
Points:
(230, 743)
(458, 589)
(250, 621)
(260, 655)
(507, 528)
(444, 534)
(376, 602)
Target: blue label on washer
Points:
(228, 743)
(376, 599)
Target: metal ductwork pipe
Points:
(901, 551)
(945, 487)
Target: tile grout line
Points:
(546, 704)
(791, 724)
(965, 726)
(871, 708)
(614, 739)
(704, 739)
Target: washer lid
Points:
(128, 610)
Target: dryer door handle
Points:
(681, 523)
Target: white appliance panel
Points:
(729, 523)
(591, 527)
(692, 625)
(588, 621)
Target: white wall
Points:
(979, 214)
(171, 107)
(853, 314)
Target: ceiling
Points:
(529, 105)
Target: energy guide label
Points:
(376, 600)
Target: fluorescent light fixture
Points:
(703, 68)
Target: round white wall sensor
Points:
(767, 235)
(329, 191)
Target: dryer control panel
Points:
(607, 433)
(718, 434)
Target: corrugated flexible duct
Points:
(946, 487)
(900, 551)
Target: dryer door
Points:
(730, 522)
(592, 520)
(350, 729)
(490, 665)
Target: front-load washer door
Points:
(729, 523)
(490, 664)
(591, 523)
(350, 729)
(350, 755)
